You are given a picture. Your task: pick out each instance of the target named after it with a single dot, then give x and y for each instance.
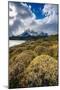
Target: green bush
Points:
(17, 51)
(41, 50)
(11, 59)
(42, 71)
(30, 47)
(18, 66)
(53, 51)
(46, 43)
(13, 55)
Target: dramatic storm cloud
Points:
(37, 17)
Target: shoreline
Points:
(15, 42)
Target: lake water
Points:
(15, 42)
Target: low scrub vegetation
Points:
(42, 71)
(41, 49)
(34, 63)
(18, 66)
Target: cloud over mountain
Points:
(22, 17)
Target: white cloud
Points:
(22, 18)
(30, 6)
(23, 15)
(50, 12)
(12, 8)
(48, 24)
(12, 13)
(50, 9)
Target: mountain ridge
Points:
(29, 35)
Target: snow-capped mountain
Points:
(29, 34)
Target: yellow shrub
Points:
(42, 71)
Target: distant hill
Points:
(28, 35)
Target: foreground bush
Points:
(42, 71)
(17, 68)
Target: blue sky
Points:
(37, 9)
(32, 16)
